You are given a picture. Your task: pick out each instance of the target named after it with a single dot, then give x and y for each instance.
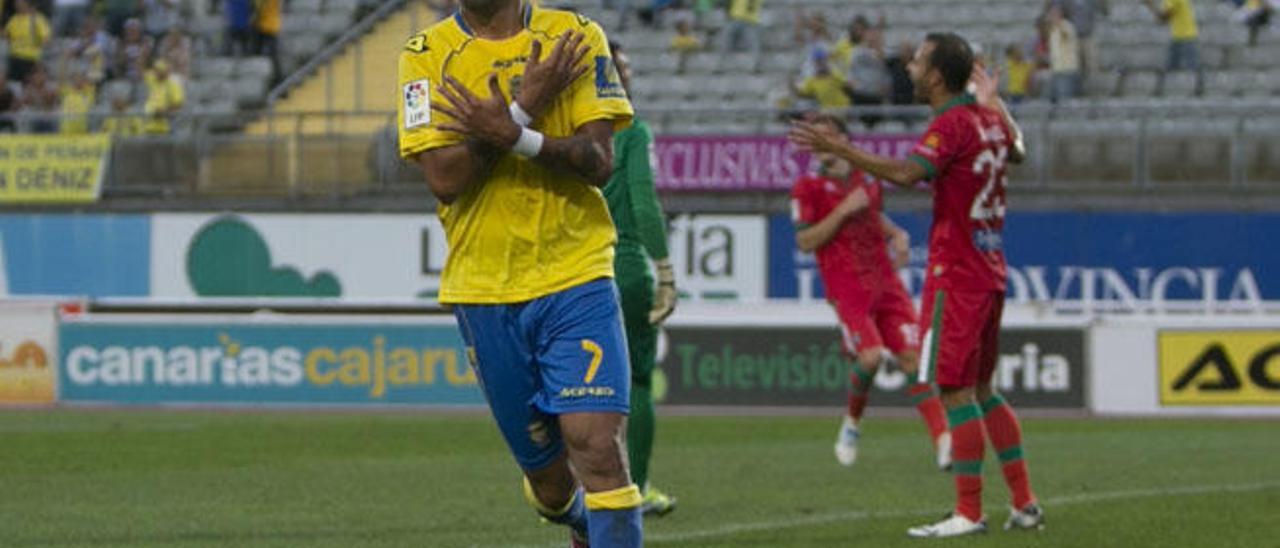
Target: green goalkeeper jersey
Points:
(633, 200)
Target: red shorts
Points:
(879, 319)
(961, 336)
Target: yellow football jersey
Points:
(526, 231)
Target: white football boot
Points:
(847, 442)
(954, 525)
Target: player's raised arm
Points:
(987, 92)
(819, 137)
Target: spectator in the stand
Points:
(903, 91)
(69, 16)
(812, 35)
(266, 28)
(160, 16)
(1256, 15)
(133, 52)
(685, 41)
(1180, 16)
(27, 32)
(1064, 56)
(121, 122)
(119, 12)
(1084, 16)
(868, 74)
(1017, 71)
(826, 88)
(165, 98)
(743, 32)
(9, 103)
(89, 51)
(842, 53)
(40, 101)
(77, 100)
(238, 33)
(175, 49)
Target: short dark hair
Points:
(834, 120)
(614, 47)
(953, 58)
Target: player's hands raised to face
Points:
(488, 119)
(545, 78)
(986, 87)
(816, 137)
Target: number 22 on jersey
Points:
(989, 204)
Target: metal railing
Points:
(1145, 149)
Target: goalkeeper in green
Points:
(642, 235)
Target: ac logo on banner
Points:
(1219, 367)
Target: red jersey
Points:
(964, 151)
(856, 258)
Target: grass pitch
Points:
(295, 479)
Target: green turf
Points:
(142, 479)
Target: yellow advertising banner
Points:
(52, 169)
(28, 353)
(1240, 367)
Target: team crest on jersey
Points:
(932, 141)
(608, 84)
(417, 44)
(417, 104)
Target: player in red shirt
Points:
(963, 152)
(839, 217)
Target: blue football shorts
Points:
(536, 360)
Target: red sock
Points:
(967, 446)
(929, 407)
(1006, 438)
(859, 385)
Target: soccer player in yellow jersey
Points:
(516, 145)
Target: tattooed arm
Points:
(588, 154)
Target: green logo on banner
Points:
(229, 258)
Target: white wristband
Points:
(529, 144)
(519, 115)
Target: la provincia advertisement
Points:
(399, 257)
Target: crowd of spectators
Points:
(127, 60)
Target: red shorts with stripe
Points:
(880, 319)
(961, 336)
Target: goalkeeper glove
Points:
(664, 300)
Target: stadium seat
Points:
(738, 63)
(780, 63)
(346, 7)
(701, 63)
(1189, 151)
(304, 7)
(254, 67)
(1102, 83)
(215, 68)
(1139, 84)
(1261, 149)
(1259, 58)
(1180, 84)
